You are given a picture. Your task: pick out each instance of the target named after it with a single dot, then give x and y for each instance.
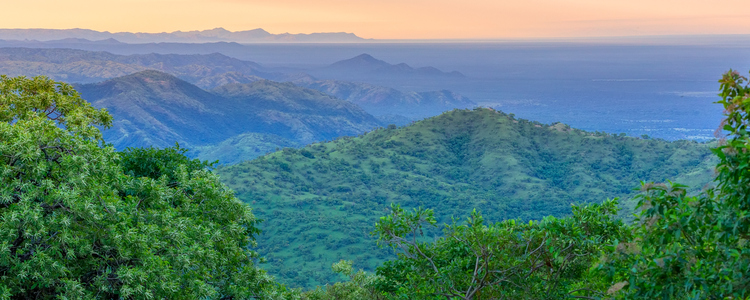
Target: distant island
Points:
(203, 36)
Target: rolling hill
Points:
(152, 108)
(320, 202)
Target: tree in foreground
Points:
(547, 259)
(75, 224)
(679, 247)
(694, 247)
(359, 287)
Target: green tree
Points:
(359, 287)
(73, 225)
(694, 247)
(155, 163)
(548, 259)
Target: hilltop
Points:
(320, 202)
(368, 68)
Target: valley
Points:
(316, 147)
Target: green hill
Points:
(320, 202)
(152, 108)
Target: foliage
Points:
(74, 226)
(243, 147)
(155, 163)
(320, 202)
(22, 98)
(547, 259)
(694, 247)
(359, 287)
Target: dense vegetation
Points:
(507, 168)
(680, 246)
(694, 247)
(79, 220)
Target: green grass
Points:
(320, 202)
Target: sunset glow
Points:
(391, 19)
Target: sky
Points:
(392, 19)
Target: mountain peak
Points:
(217, 29)
(363, 61)
(368, 66)
(147, 82)
(152, 74)
(365, 56)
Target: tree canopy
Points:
(78, 220)
(695, 247)
(680, 246)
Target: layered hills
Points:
(81, 66)
(210, 71)
(153, 108)
(320, 202)
(381, 100)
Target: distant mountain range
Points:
(213, 70)
(153, 108)
(89, 66)
(204, 36)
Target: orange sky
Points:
(391, 19)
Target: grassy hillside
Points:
(320, 202)
(152, 108)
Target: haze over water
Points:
(664, 91)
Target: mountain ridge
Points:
(81, 66)
(365, 64)
(382, 100)
(257, 35)
(153, 108)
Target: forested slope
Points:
(319, 203)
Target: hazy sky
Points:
(391, 19)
